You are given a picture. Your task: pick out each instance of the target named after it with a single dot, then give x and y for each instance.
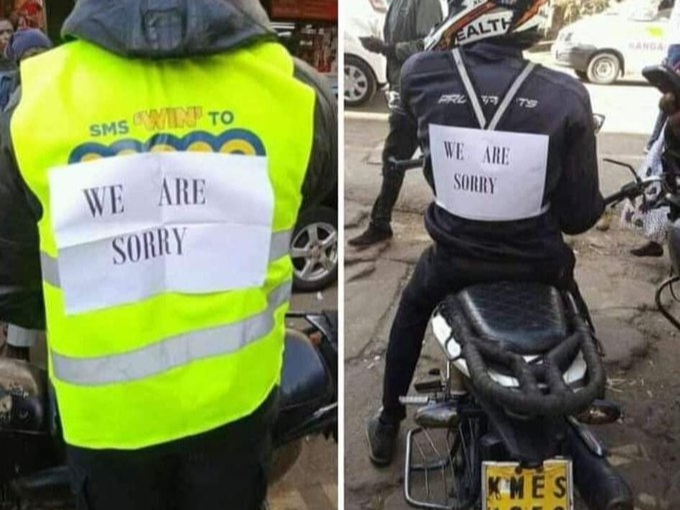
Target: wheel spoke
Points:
(307, 270)
(300, 253)
(326, 262)
(313, 233)
(330, 241)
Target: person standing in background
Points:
(654, 222)
(672, 60)
(406, 24)
(6, 32)
(22, 44)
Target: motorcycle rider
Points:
(511, 157)
(155, 156)
(671, 106)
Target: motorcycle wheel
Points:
(467, 464)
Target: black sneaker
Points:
(651, 249)
(382, 440)
(372, 235)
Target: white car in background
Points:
(365, 72)
(615, 44)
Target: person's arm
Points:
(21, 298)
(321, 179)
(428, 14)
(578, 202)
(404, 105)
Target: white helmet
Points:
(470, 21)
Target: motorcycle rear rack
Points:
(442, 467)
(542, 389)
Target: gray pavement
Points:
(642, 357)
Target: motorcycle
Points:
(666, 195)
(33, 467)
(505, 425)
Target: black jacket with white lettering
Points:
(549, 103)
(180, 29)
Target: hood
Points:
(168, 28)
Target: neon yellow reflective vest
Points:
(169, 191)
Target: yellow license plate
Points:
(506, 487)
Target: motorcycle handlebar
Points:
(634, 189)
(630, 190)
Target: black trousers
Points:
(224, 469)
(437, 275)
(401, 143)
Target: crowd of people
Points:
(15, 46)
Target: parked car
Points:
(617, 43)
(314, 245)
(365, 72)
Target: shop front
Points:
(24, 13)
(309, 29)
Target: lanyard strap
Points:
(474, 97)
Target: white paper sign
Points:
(489, 175)
(135, 226)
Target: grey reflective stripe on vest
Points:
(170, 352)
(50, 269)
(510, 96)
(467, 83)
(505, 103)
(280, 246)
(474, 99)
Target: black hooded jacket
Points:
(147, 29)
(548, 103)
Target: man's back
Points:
(548, 103)
(189, 101)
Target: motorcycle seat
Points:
(305, 383)
(522, 317)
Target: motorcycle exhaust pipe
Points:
(600, 486)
